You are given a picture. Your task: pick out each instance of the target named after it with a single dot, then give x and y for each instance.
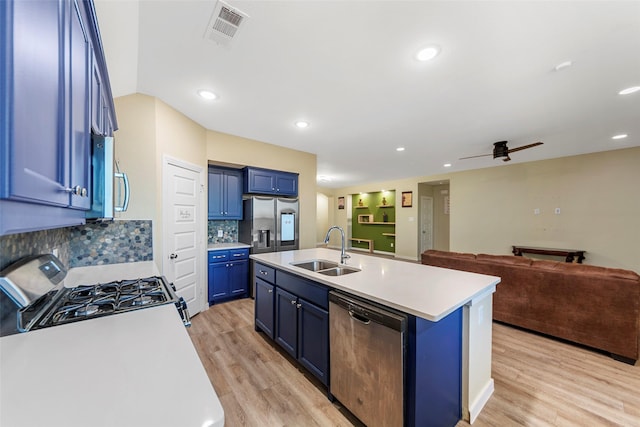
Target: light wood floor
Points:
(538, 381)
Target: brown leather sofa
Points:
(595, 306)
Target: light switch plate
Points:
(220, 233)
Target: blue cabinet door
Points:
(33, 142)
(225, 194)
(239, 278)
(313, 339)
(286, 183)
(264, 307)
(286, 331)
(215, 194)
(80, 137)
(233, 194)
(218, 281)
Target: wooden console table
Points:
(568, 254)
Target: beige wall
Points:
(224, 148)
(149, 129)
(492, 208)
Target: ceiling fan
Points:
(500, 149)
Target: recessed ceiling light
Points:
(447, 165)
(302, 124)
(323, 178)
(562, 65)
(629, 90)
(620, 136)
(400, 149)
(427, 53)
(207, 94)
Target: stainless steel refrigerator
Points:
(270, 224)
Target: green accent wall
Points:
(373, 204)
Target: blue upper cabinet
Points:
(79, 51)
(267, 181)
(48, 49)
(225, 193)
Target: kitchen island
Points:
(429, 294)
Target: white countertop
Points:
(132, 369)
(424, 291)
(236, 245)
(109, 272)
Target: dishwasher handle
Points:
(359, 318)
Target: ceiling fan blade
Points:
(473, 157)
(524, 147)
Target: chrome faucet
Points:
(343, 256)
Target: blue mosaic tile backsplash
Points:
(111, 242)
(97, 243)
(229, 231)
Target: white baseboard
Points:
(480, 401)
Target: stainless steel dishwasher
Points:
(367, 359)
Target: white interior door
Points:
(426, 223)
(183, 230)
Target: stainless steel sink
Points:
(315, 265)
(338, 271)
(328, 268)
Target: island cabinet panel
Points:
(265, 307)
(434, 371)
(292, 311)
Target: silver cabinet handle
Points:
(298, 305)
(270, 291)
(127, 191)
(264, 273)
(173, 256)
(293, 302)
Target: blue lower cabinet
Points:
(299, 326)
(287, 321)
(302, 329)
(313, 339)
(228, 275)
(264, 307)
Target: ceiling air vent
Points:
(225, 23)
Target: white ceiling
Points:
(347, 67)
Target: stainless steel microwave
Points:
(103, 181)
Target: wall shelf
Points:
(385, 206)
(389, 234)
(378, 223)
(362, 207)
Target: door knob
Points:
(173, 256)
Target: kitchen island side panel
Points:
(434, 377)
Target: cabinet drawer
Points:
(239, 254)
(265, 273)
(307, 289)
(218, 256)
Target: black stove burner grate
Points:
(89, 301)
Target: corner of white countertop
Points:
(235, 245)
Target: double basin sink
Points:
(328, 268)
